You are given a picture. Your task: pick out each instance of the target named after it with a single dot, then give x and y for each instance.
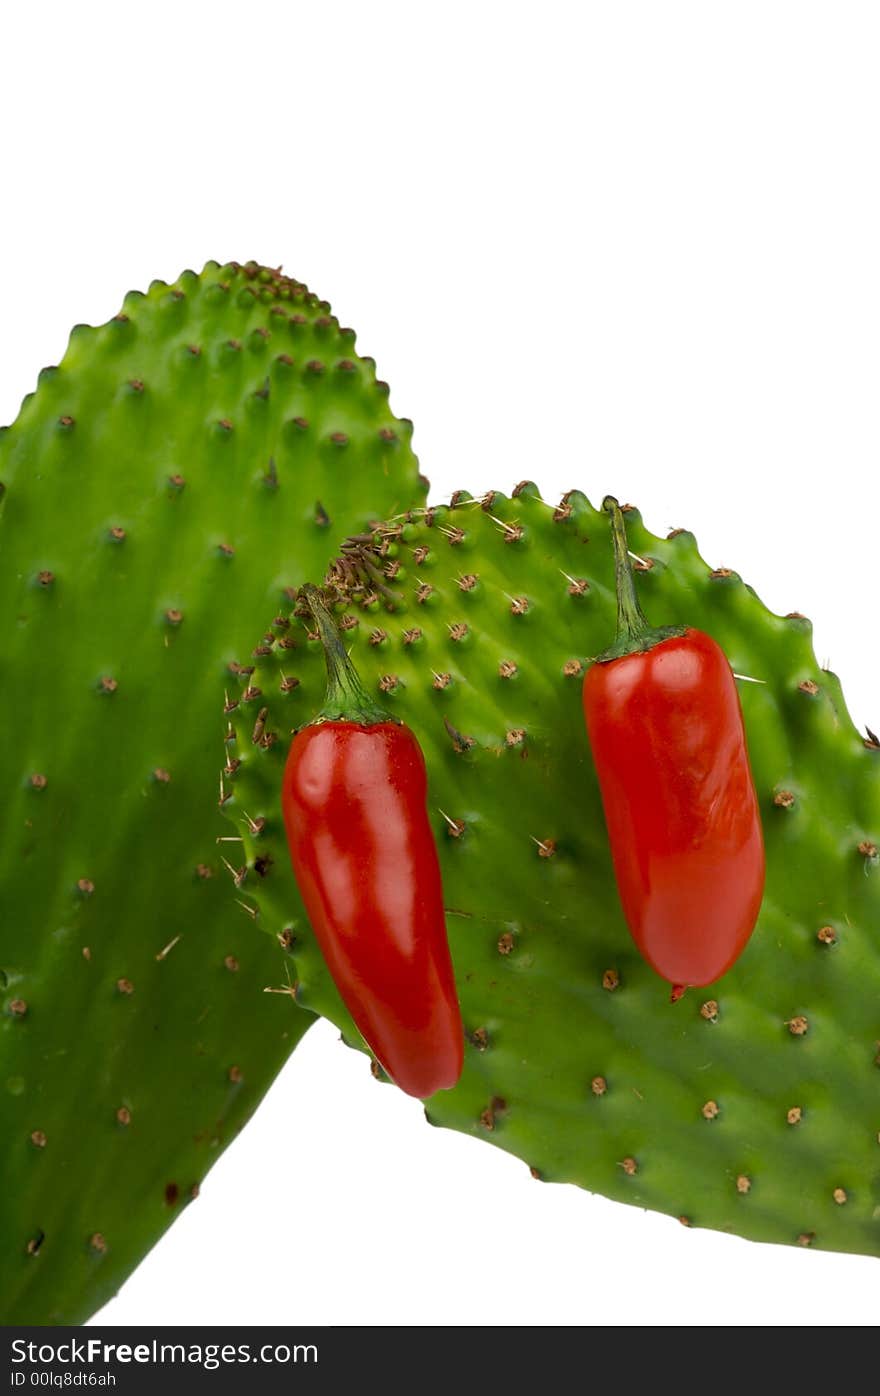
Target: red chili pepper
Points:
(366, 864)
(666, 731)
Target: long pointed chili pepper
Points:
(666, 730)
(366, 864)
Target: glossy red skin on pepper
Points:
(365, 861)
(667, 736)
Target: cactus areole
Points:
(365, 861)
(666, 732)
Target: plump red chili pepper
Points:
(365, 861)
(666, 731)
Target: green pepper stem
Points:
(634, 634)
(631, 620)
(347, 699)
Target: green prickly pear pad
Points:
(751, 1107)
(186, 463)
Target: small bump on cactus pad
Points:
(751, 1107)
(185, 463)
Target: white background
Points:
(628, 247)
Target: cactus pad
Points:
(751, 1107)
(185, 463)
